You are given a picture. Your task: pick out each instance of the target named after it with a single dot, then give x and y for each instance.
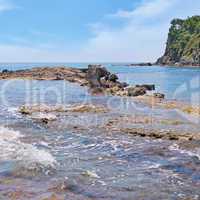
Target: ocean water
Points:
(175, 82)
(75, 158)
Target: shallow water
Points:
(38, 160)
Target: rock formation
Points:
(183, 44)
(96, 77)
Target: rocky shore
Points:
(100, 81)
(110, 121)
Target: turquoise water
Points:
(175, 82)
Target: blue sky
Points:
(87, 30)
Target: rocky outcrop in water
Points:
(148, 64)
(47, 73)
(96, 77)
(183, 44)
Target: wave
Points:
(195, 152)
(24, 155)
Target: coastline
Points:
(148, 64)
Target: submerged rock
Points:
(87, 108)
(160, 134)
(30, 109)
(42, 111)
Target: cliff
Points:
(183, 43)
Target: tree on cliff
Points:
(183, 44)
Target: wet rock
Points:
(60, 187)
(90, 174)
(87, 108)
(136, 91)
(122, 93)
(97, 91)
(124, 84)
(113, 78)
(4, 71)
(42, 111)
(29, 110)
(24, 110)
(159, 134)
(113, 90)
(59, 76)
(102, 81)
(172, 122)
(149, 87)
(19, 194)
(47, 73)
(94, 75)
(159, 95)
(53, 197)
(44, 117)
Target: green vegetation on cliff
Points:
(183, 44)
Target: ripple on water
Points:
(191, 153)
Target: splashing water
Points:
(25, 156)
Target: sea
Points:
(74, 158)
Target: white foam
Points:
(13, 111)
(195, 152)
(25, 155)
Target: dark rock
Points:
(84, 70)
(94, 75)
(141, 64)
(136, 91)
(124, 84)
(5, 71)
(149, 87)
(113, 78)
(97, 90)
(59, 76)
(159, 95)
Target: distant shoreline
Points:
(148, 64)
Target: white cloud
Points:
(146, 9)
(144, 35)
(141, 38)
